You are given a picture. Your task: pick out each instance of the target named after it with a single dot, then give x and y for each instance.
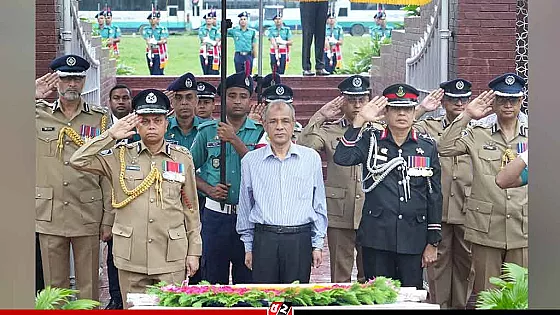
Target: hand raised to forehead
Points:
(433, 100)
(45, 85)
(333, 108)
(373, 110)
(481, 106)
(124, 127)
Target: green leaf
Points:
(197, 304)
(82, 304)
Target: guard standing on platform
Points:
(343, 186)
(156, 38)
(401, 217)
(450, 281)
(313, 14)
(206, 97)
(280, 38)
(221, 242)
(156, 231)
(111, 33)
(97, 28)
(334, 38)
(497, 220)
(69, 204)
(209, 37)
(245, 41)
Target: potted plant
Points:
(512, 290)
(56, 298)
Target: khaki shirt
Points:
(149, 237)
(343, 187)
(67, 202)
(456, 173)
(495, 217)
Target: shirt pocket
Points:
(43, 203)
(177, 245)
(91, 206)
(47, 143)
(490, 160)
(122, 240)
(336, 198)
(479, 214)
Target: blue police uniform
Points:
(221, 243)
(332, 33)
(207, 50)
(403, 207)
(153, 55)
(243, 41)
(281, 35)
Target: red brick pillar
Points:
(485, 40)
(47, 26)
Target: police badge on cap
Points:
(508, 85)
(151, 101)
(239, 80)
(401, 95)
(205, 90)
(278, 92)
(355, 85)
(183, 83)
(457, 88)
(70, 65)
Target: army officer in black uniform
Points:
(401, 221)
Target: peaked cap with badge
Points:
(186, 82)
(354, 85)
(151, 101)
(70, 65)
(270, 80)
(278, 92)
(457, 88)
(205, 90)
(243, 14)
(239, 80)
(401, 95)
(277, 16)
(508, 85)
(101, 13)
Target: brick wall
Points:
(47, 26)
(485, 40)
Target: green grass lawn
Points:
(184, 57)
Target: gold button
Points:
(47, 139)
(178, 234)
(454, 177)
(508, 197)
(153, 163)
(151, 220)
(38, 195)
(120, 232)
(150, 240)
(508, 216)
(452, 194)
(152, 200)
(65, 183)
(66, 203)
(69, 124)
(36, 116)
(67, 142)
(66, 162)
(477, 208)
(92, 198)
(359, 180)
(357, 196)
(332, 195)
(133, 162)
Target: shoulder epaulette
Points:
(98, 109)
(426, 137)
(180, 148)
(479, 124)
(43, 103)
(207, 123)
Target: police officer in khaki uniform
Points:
(449, 276)
(496, 219)
(69, 204)
(156, 233)
(343, 187)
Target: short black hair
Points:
(119, 86)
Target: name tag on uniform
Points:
(172, 141)
(47, 129)
(133, 168)
(212, 144)
(173, 171)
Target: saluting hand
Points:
(481, 106)
(256, 113)
(45, 85)
(372, 111)
(123, 128)
(333, 108)
(433, 100)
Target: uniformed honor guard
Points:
(111, 33)
(221, 243)
(245, 41)
(400, 226)
(69, 204)
(183, 126)
(280, 38)
(209, 37)
(343, 186)
(98, 28)
(380, 30)
(333, 44)
(156, 45)
(497, 220)
(156, 232)
(206, 96)
(450, 281)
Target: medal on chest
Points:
(173, 171)
(419, 166)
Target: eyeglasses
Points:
(503, 100)
(456, 100)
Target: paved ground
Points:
(318, 275)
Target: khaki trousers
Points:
(342, 243)
(133, 282)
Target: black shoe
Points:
(114, 305)
(308, 73)
(322, 72)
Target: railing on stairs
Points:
(81, 45)
(423, 68)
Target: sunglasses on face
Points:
(503, 100)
